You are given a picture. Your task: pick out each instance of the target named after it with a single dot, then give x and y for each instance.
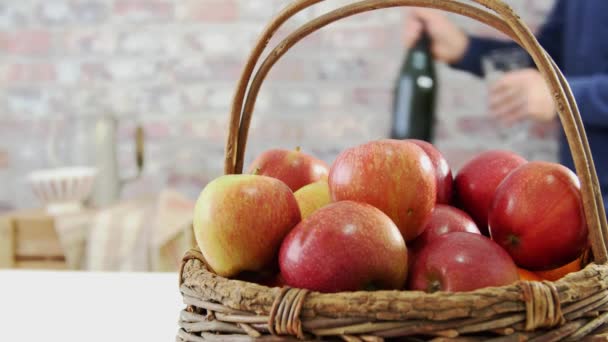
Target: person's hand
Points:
(449, 42)
(521, 94)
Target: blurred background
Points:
(73, 69)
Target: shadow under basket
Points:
(575, 308)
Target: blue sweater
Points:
(576, 36)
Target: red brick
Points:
(144, 10)
(356, 37)
(293, 68)
(26, 42)
(378, 98)
(28, 72)
(286, 133)
(207, 10)
(93, 71)
(476, 125)
(442, 131)
(157, 129)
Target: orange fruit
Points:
(527, 275)
(558, 273)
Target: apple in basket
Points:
(294, 167)
(394, 176)
(345, 246)
(462, 261)
(312, 197)
(443, 173)
(477, 180)
(537, 216)
(240, 221)
(444, 219)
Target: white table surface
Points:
(87, 307)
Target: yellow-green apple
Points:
(462, 261)
(345, 246)
(240, 221)
(477, 180)
(293, 167)
(537, 216)
(312, 197)
(443, 173)
(394, 176)
(444, 219)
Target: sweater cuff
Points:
(471, 60)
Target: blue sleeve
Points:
(478, 47)
(591, 93)
(549, 36)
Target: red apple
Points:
(444, 219)
(241, 220)
(462, 262)
(345, 246)
(294, 167)
(394, 176)
(478, 179)
(537, 216)
(443, 173)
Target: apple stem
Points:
(434, 286)
(371, 287)
(256, 171)
(298, 148)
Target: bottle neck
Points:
(424, 42)
(419, 56)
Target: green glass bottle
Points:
(415, 91)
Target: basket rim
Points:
(193, 266)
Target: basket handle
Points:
(508, 22)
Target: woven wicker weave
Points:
(574, 308)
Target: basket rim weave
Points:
(523, 307)
(545, 310)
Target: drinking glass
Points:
(495, 64)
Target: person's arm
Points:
(477, 48)
(591, 93)
(551, 33)
(549, 37)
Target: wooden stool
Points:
(34, 239)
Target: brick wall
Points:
(172, 66)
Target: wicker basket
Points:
(574, 308)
